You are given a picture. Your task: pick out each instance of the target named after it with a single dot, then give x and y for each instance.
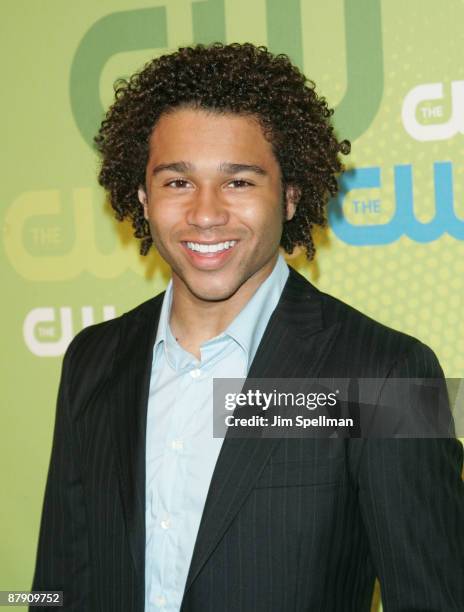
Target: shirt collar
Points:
(163, 323)
(248, 326)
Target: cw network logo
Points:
(47, 331)
(170, 24)
(403, 220)
(412, 111)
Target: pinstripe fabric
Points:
(288, 525)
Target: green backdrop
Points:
(395, 250)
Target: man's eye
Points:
(239, 183)
(178, 183)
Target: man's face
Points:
(214, 202)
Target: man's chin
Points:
(209, 294)
(212, 289)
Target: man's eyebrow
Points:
(226, 167)
(178, 166)
(230, 168)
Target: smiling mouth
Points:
(203, 248)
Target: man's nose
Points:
(207, 208)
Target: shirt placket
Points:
(173, 478)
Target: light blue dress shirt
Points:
(181, 452)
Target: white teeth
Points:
(211, 248)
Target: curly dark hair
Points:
(235, 78)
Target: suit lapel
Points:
(294, 345)
(128, 391)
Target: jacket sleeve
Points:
(412, 502)
(63, 555)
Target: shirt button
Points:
(165, 523)
(195, 373)
(160, 601)
(177, 445)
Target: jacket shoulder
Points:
(366, 345)
(363, 346)
(93, 349)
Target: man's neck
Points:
(194, 321)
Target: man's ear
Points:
(143, 201)
(292, 197)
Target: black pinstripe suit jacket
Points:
(289, 525)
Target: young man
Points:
(220, 155)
